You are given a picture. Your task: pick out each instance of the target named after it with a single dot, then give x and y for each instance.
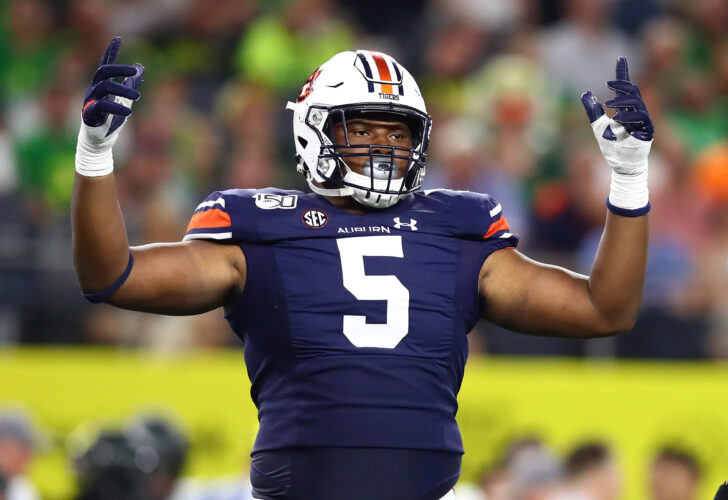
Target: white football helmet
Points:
(352, 84)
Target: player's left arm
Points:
(530, 297)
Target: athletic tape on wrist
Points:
(97, 297)
(94, 165)
(93, 160)
(629, 191)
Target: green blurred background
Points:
(502, 80)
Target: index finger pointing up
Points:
(622, 71)
(111, 51)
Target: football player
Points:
(354, 299)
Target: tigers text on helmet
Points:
(357, 84)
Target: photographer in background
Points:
(169, 444)
(590, 473)
(16, 452)
(675, 475)
(141, 462)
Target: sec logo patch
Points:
(315, 218)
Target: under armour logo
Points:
(412, 224)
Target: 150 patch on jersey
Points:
(268, 201)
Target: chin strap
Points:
(360, 195)
(344, 191)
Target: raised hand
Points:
(106, 97)
(624, 140)
(105, 108)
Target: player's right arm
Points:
(170, 278)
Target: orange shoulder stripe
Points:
(209, 219)
(499, 225)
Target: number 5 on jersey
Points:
(364, 287)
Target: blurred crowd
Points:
(502, 80)
(529, 470)
(144, 459)
(141, 459)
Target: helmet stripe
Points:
(384, 74)
(399, 77)
(367, 70)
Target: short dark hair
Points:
(585, 457)
(680, 456)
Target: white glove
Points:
(625, 142)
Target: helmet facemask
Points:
(383, 180)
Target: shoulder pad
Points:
(229, 215)
(476, 215)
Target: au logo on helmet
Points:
(308, 85)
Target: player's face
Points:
(382, 132)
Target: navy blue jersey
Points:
(355, 325)
(353, 473)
